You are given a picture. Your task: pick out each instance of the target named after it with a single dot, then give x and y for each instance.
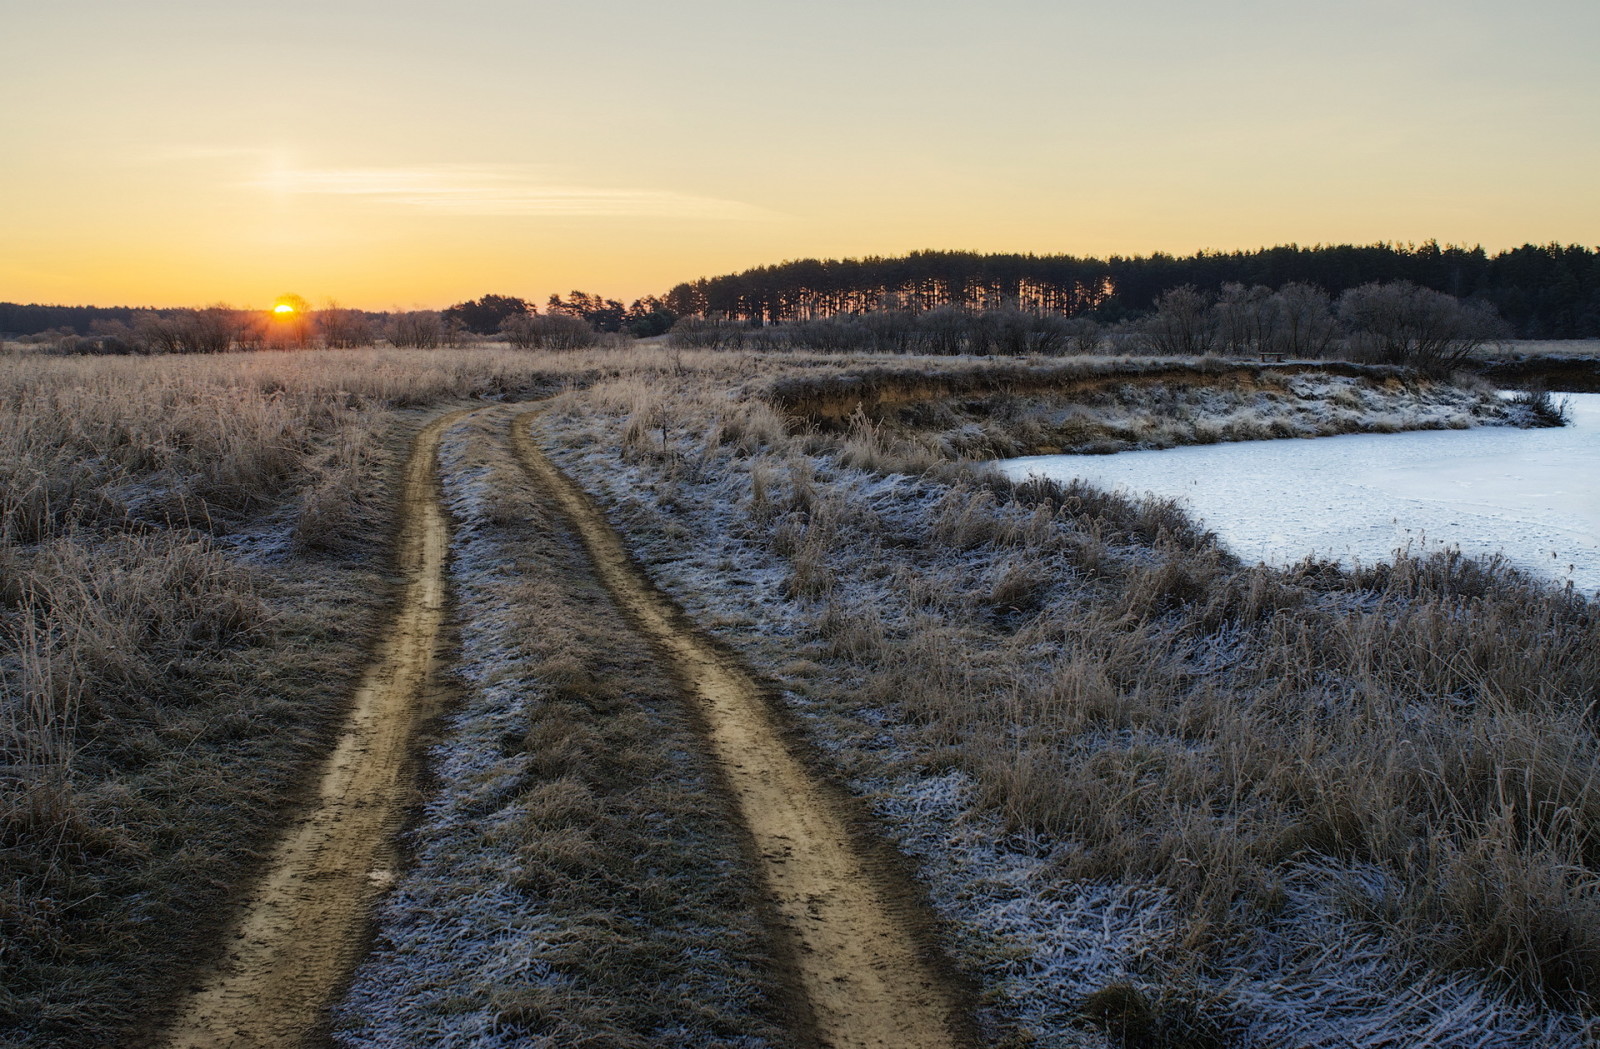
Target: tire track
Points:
(304, 926)
(861, 968)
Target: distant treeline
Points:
(1547, 291)
(483, 316)
(1542, 291)
(19, 319)
(33, 318)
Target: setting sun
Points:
(282, 308)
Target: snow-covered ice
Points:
(1533, 495)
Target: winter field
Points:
(1108, 781)
(1532, 496)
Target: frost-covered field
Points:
(1001, 680)
(1531, 494)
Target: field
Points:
(734, 682)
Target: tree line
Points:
(566, 324)
(213, 329)
(1393, 322)
(1541, 291)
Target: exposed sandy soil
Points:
(868, 979)
(304, 927)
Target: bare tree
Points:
(1246, 319)
(1304, 323)
(555, 331)
(417, 329)
(211, 330)
(157, 333)
(1083, 335)
(1182, 325)
(343, 329)
(1401, 323)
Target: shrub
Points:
(555, 331)
(1182, 325)
(1401, 323)
(417, 330)
(1545, 410)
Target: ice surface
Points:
(1533, 495)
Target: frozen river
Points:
(1533, 495)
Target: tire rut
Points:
(867, 978)
(304, 926)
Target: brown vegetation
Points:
(191, 560)
(1408, 744)
(918, 413)
(190, 566)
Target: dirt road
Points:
(867, 979)
(305, 925)
(863, 971)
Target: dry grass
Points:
(190, 564)
(1409, 748)
(191, 557)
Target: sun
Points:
(282, 308)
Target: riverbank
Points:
(930, 411)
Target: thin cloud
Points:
(466, 190)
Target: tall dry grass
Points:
(1414, 740)
(192, 556)
(190, 563)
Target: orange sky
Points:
(405, 154)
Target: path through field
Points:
(866, 978)
(305, 925)
(864, 971)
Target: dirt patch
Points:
(861, 964)
(303, 927)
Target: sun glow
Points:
(282, 308)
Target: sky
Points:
(402, 154)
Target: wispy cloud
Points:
(495, 190)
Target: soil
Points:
(304, 927)
(862, 966)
